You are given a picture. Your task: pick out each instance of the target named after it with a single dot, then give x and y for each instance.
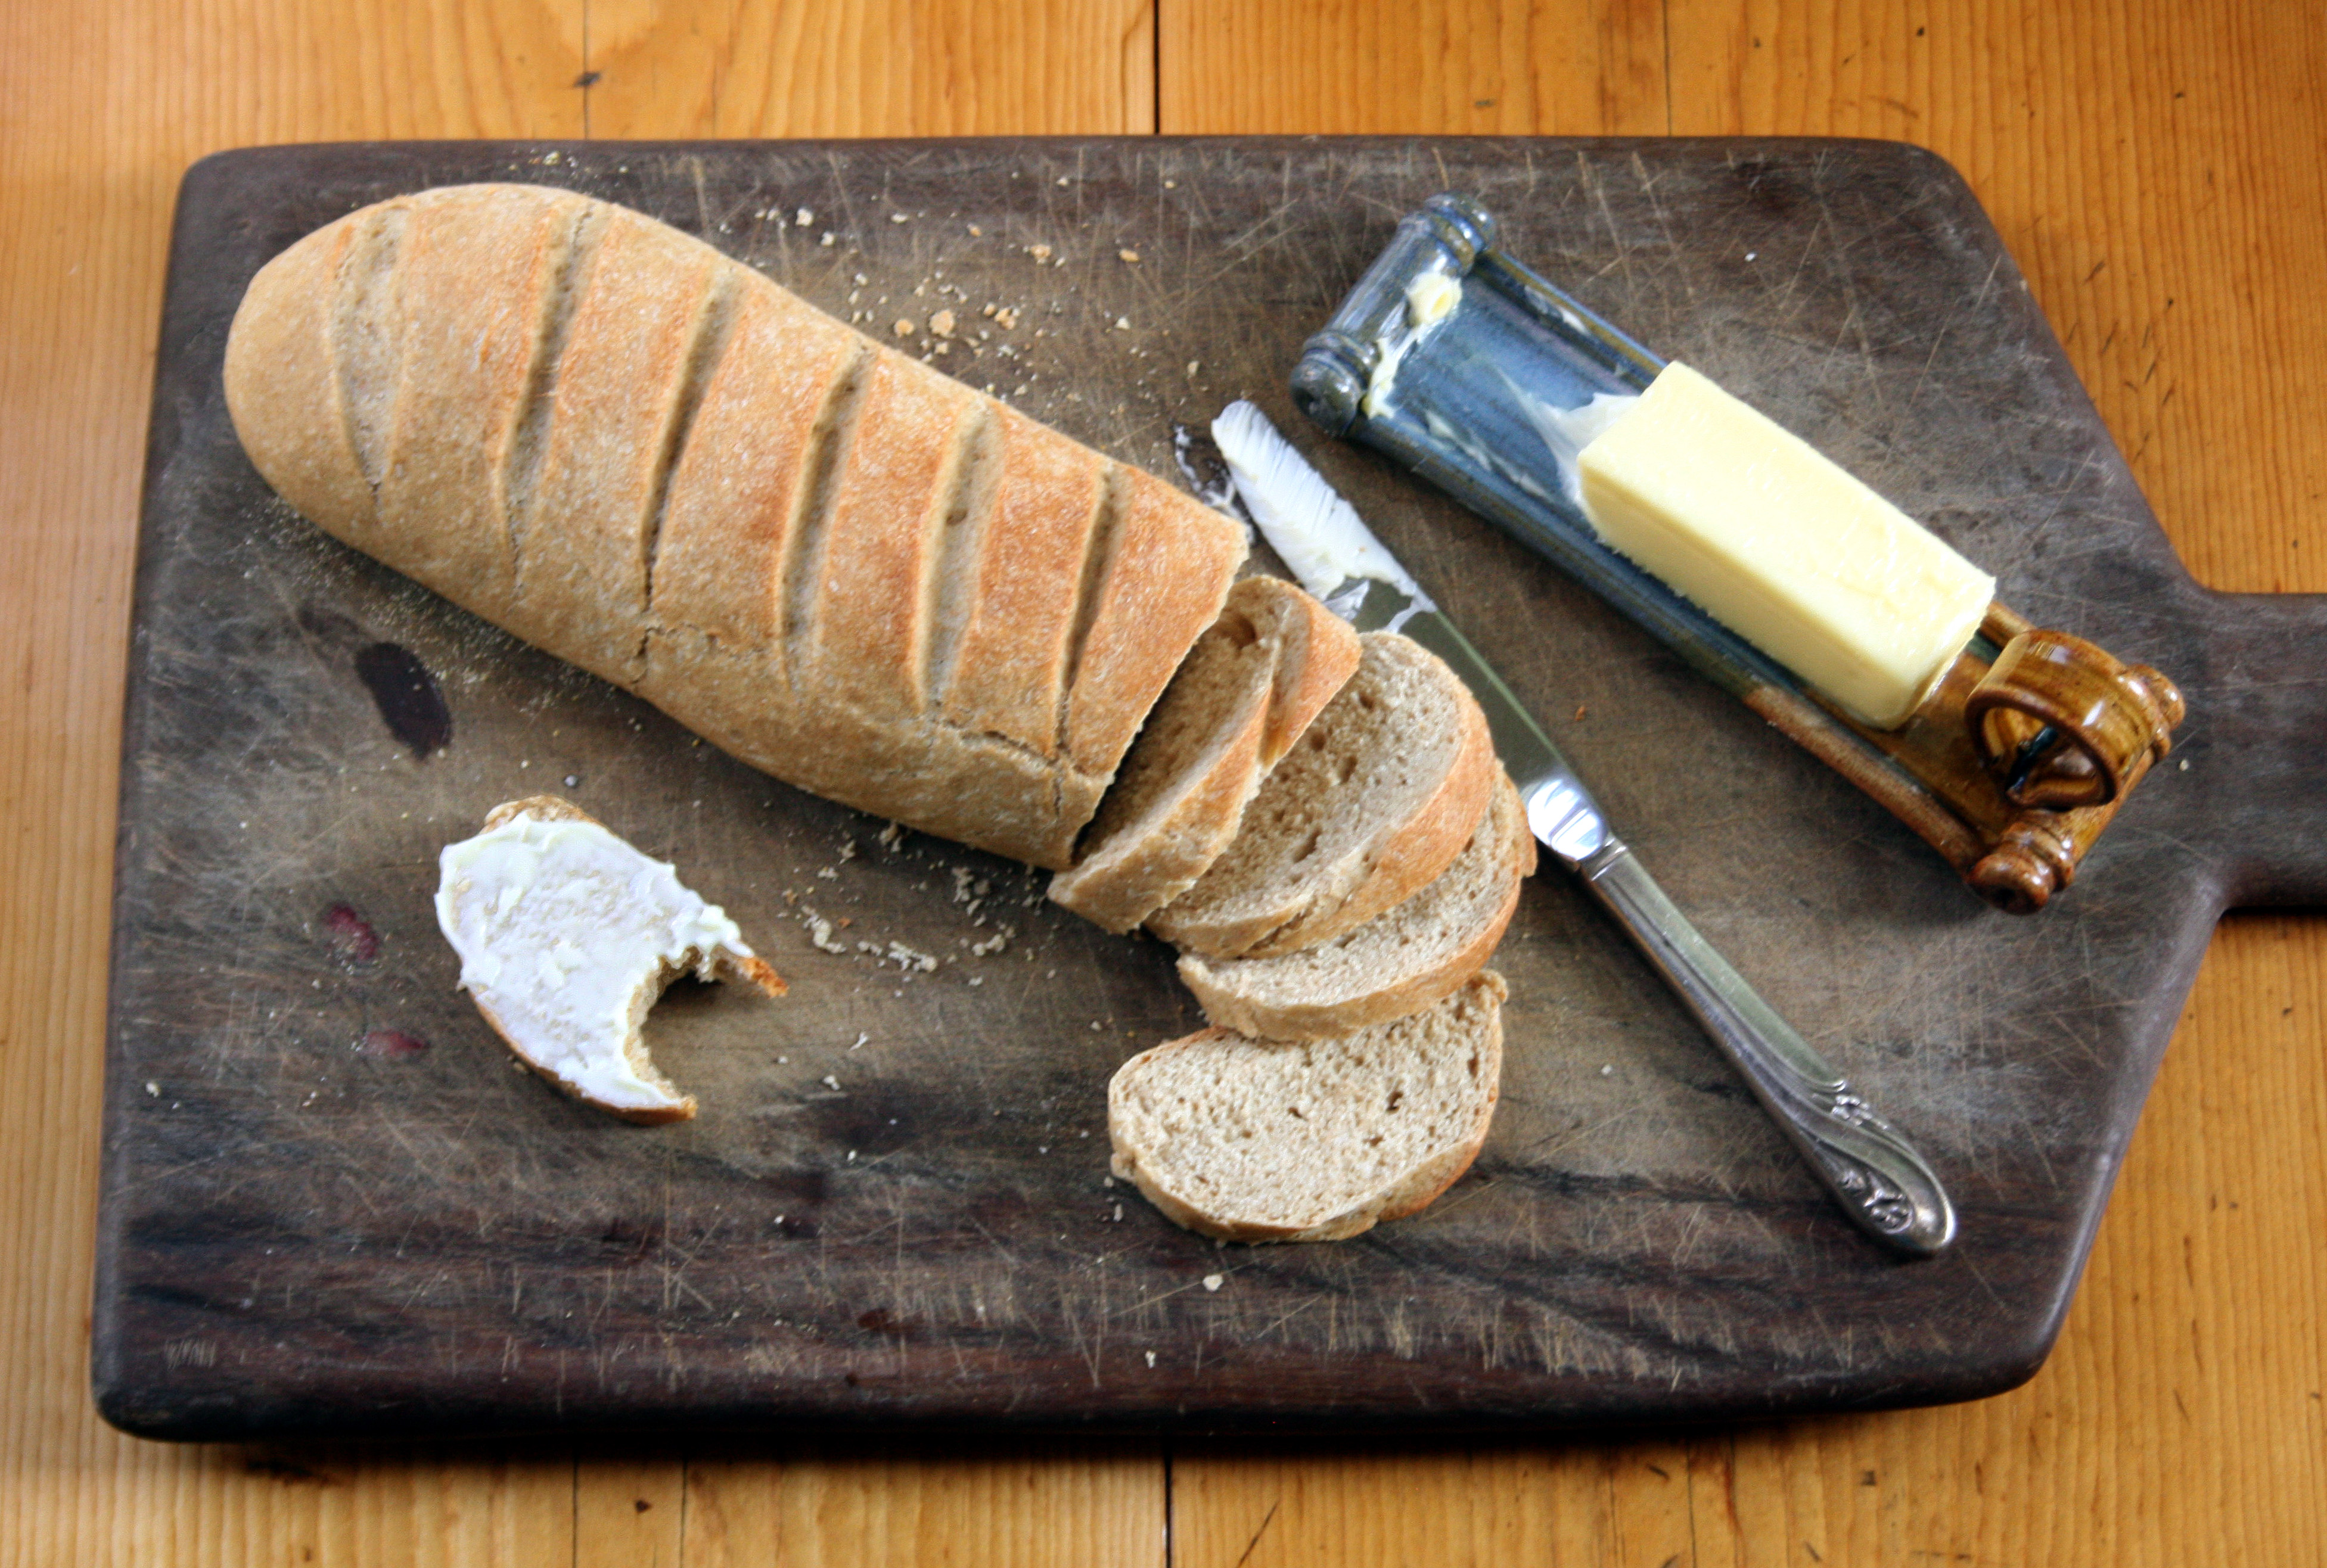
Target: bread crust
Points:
(645, 458)
(281, 369)
(1166, 568)
(1411, 1191)
(1231, 1008)
(1010, 667)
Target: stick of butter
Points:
(1783, 546)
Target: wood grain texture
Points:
(2161, 1430)
(2153, 170)
(871, 68)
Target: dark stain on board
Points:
(354, 940)
(410, 702)
(391, 1045)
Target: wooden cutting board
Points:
(331, 1204)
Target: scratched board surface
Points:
(331, 1203)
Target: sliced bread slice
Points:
(1251, 685)
(1377, 798)
(567, 935)
(1398, 962)
(1251, 1139)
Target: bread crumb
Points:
(1130, 256)
(819, 932)
(892, 836)
(152, 1088)
(899, 217)
(907, 959)
(861, 1038)
(903, 328)
(1123, 323)
(1214, 1282)
(849, 850)
(941, 324)
(976, 232)
(803, 218)
(830, 1082)
(1151, 1355)
(1005, 317)
(1041, 253)
(828, 238)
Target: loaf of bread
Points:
(618, 444)
(1248, 689)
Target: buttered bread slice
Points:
(567, 935)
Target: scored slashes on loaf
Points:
(840, 565)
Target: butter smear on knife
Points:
(1782, 546)
(1320, 536)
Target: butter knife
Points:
(1882, 1184)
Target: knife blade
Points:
(1874, 1172)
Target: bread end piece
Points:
(1258, 1140)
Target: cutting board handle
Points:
(2251, 760)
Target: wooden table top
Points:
(2155, 166)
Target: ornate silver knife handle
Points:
(1882, 1183)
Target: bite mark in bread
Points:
(567, 935)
